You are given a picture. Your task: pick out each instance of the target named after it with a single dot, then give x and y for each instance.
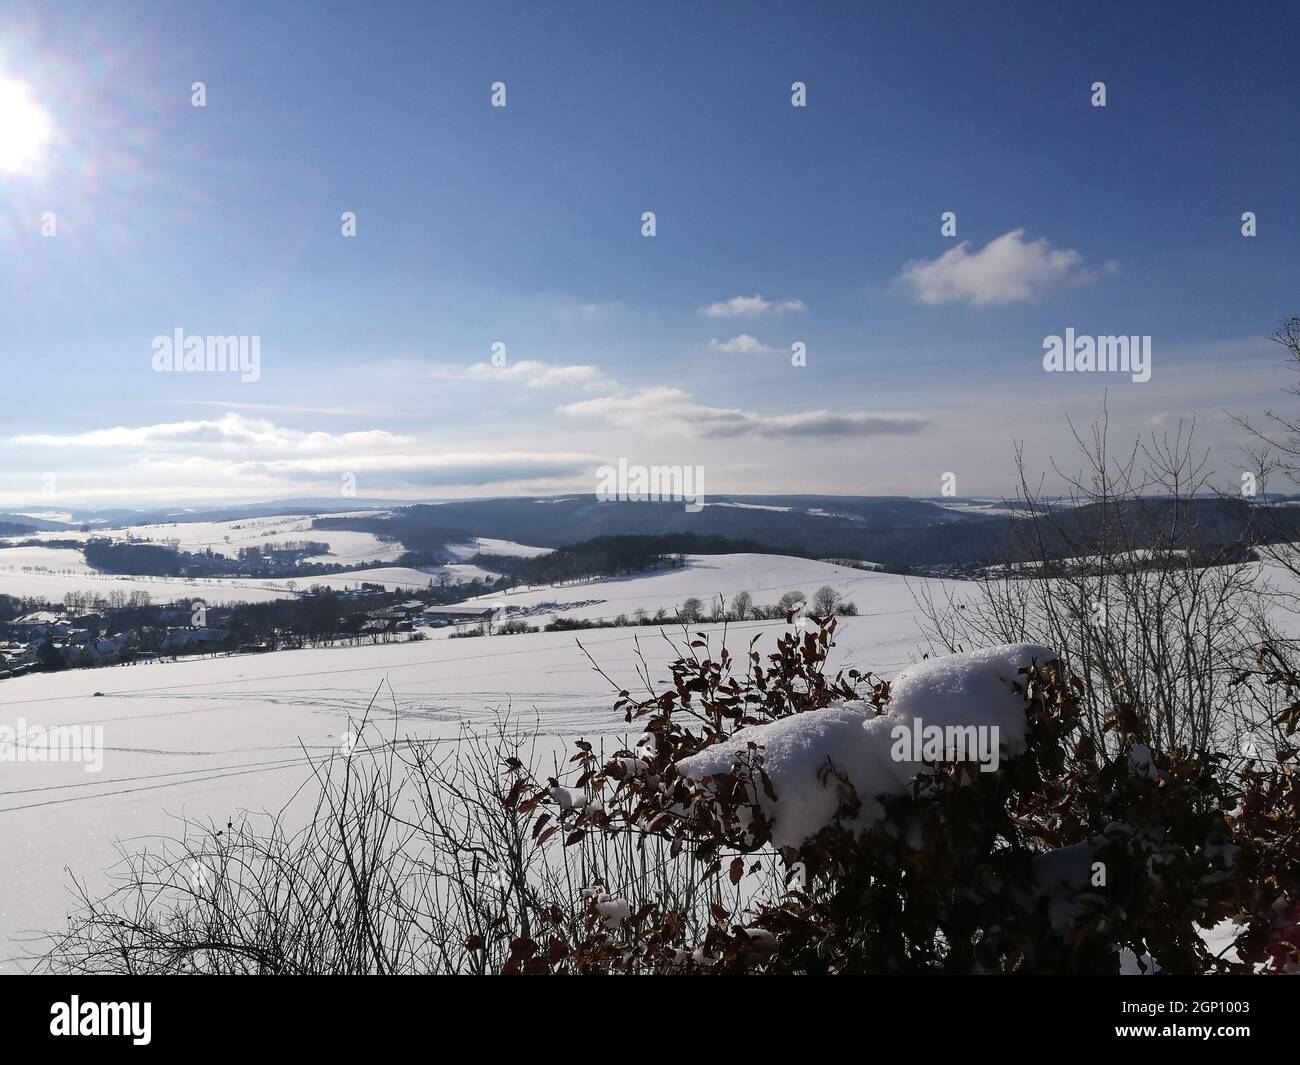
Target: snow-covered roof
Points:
(460, 610)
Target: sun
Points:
(25, 127)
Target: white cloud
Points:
(750, 306)
(589, 312)
(533, 374)
(231, 431)
(272, 408)
(424, 469)
(237, 456)
(743, 345)
(637, 406)
(1006, 270)
(674, 411)
(812, 423)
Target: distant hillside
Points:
(21, 524)
(898, 532)
(120, 517)
(13, 528)
(894, 531)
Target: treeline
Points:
(612, 556)
(74, 545)
(826, 602)
(284, 549)
(145, 560)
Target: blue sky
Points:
(522, 225)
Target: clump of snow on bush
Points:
(975, 688)
(568, 798)
(1141, 763)
(612, 911)
(1064, 876)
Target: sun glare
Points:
(24, 127)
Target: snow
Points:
(489, 546)
(972, 689)
(568, 798)
(209, 738)
(347, 547)
(58, 559)
(46, 515)
(752, 506)
(393, 578)
(989, 508)
(1141, 763)
(613, 912)
(706, 577)
(54, 586)
(1063, 877)
(51, 573)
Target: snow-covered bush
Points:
(1054, 862)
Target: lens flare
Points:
(25, 127)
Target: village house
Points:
(203, 639)
(43, 624)
(95, 651)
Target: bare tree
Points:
(791, 601)
(742, 605)
(1276, 455)
(824, 601)
(1142, 579)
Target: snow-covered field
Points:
(214, 737)
(393, 578)
(488, 546)
(55, 585)
(52, 572)
(31, 581)
(64, 560)
(211, 738)
(708, 577)
(347, 548)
